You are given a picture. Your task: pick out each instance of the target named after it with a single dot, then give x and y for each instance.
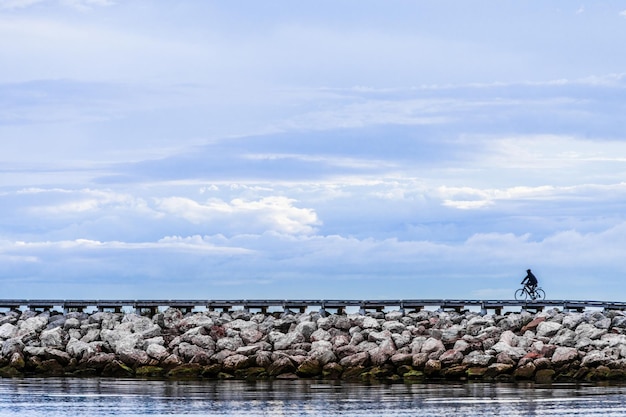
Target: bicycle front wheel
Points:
(541, 294)
(521, 294)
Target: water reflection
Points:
(122, 397)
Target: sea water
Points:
(134, 397)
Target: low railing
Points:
(340, 306)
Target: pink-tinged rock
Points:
(432, 366)
(563, 355)
(451, 357)
(533, 324)
(402, 359)
(432, 345)
(234, 362)
(358, 359)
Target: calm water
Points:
(107, 397)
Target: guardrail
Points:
(339, 306)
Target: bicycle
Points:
(525, 293)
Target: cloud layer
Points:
(326, 150)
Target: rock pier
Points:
(394, 346)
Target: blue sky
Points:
(326, 149)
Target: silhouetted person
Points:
(530, 281)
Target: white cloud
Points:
(64, 202)
(83, 246)
(76, 4)
(84, 5)
(269, 213)
(623, 13)
(18, 4)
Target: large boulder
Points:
(79, 349)
(451, 357)
(10, 346)
(33, 324)
(595, 358)
(135, 358)
(157, 352)
(586, 330)
(548, 329)
(7, 331)
(432, 345)
(514, 352)
(120, 340)
(564, 355)
(55, 337)
(306, 329)
(478, 359)
(283, 341)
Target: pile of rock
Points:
(415, 346)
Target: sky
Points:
(344, 149)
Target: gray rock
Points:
(589, 331)
(196, 320)
(320, 334)
(514, 352)
(370, 323)
(135, 357)
(240, 324)
(379, 336)
(394, 316)
(7, 331)
(382, 353)
(60, 356)
(603, 323)
(56, 337)
(548, 329)
(306, 328)
(572, 320)
(71, 323)
(248, 350)
(10, 346)
(462, 346)
(401, 339)
(564, 337)
(91, 336)
(477, 358)
(326, 323)
(593, 359)
(157, 352)
(432, 345)
(250, 335)
(228, 343)
(33, 324)
(79, 349)
(286, 340)
(342, 323)
(394, 326)
(120, 340)
(188, 352)
(352, 361)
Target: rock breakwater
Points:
(417, 346)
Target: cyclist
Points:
(530, 282)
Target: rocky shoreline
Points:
(395, 346)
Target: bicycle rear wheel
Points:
(521, 294)
(540, 294)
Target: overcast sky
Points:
(312, 149)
